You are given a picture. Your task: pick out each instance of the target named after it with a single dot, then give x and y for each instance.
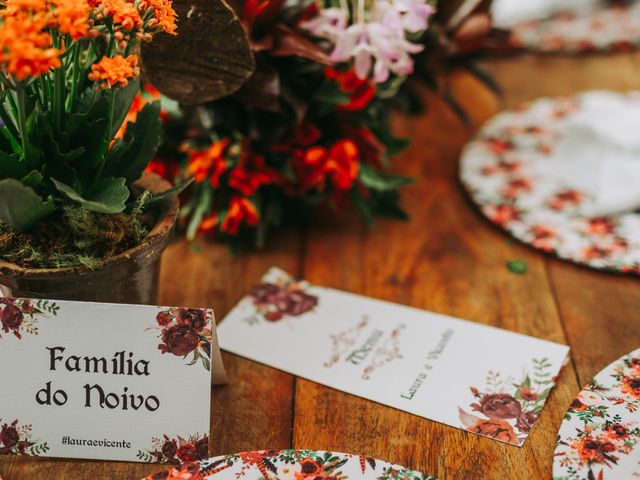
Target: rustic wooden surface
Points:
(447, 259)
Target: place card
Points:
(488, 381)
(106, 381)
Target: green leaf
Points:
(33, 179)
(122, 103)
(143, 138)
(519, 267)
(20, 206)
(168, 194)
(106, 196)
(361, 204)
(11, 166)
(380, 181)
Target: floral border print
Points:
(506, 408)
(185, 331)
(600, 435)
(290, 464)
(176, 450)
(615, 27)
(20, 316)
(279, 296)
(500, 169)
(16, 439)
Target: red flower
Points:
(341, 163)
(495, 428)
(167, 169)
(503, 214)
(163, 318)
(371, 149)
(600, 226)
(194, 318)
(251, 174)
(170, 448)
(9, 435)
(208, 163)
(11, 318)
(241, 212)
(179, 340)
(187, 453)
(202, 448)
(360, 91)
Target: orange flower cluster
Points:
(164, 15)
(71, 17)
(208, 163)
(340, 163)
(26, 49)
(124, 14)
(241, 212)
(115, 72)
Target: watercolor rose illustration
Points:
(176, 450)
(506, 410)
(15, 439)
(280, 296)
(185, 331)
(20, 316)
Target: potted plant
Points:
(78, 219)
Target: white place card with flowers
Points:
(488, 381)
(106, 381)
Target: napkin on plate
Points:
(507, 13)
(599, 154)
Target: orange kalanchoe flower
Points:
(115, 72)
(208, 163)
(72, 17)
(26, 50)
(241, 212)
(124, 14)
(164, 14)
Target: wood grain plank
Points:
(448, 260)
(255, 410)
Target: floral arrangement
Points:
(70, 73)
(20, 316)
(508, 406)
(176, 450)
(184, 331)
(307, 126)
(15, 439)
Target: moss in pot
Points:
(78, 220)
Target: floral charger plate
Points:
(613, 27)
(501, 169)
(600, 435)
(289, 464)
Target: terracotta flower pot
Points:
(130, 277)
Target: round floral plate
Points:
(501, 168)
(614, 27)
(600, 435)
(289, 464)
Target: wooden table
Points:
(446, 259)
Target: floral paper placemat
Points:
(600, 435)
(501, 169)
(607, 28)
(290, 465)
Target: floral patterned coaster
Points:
(608, 28)
(600, 435)
(290, 464)
(500, 169)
